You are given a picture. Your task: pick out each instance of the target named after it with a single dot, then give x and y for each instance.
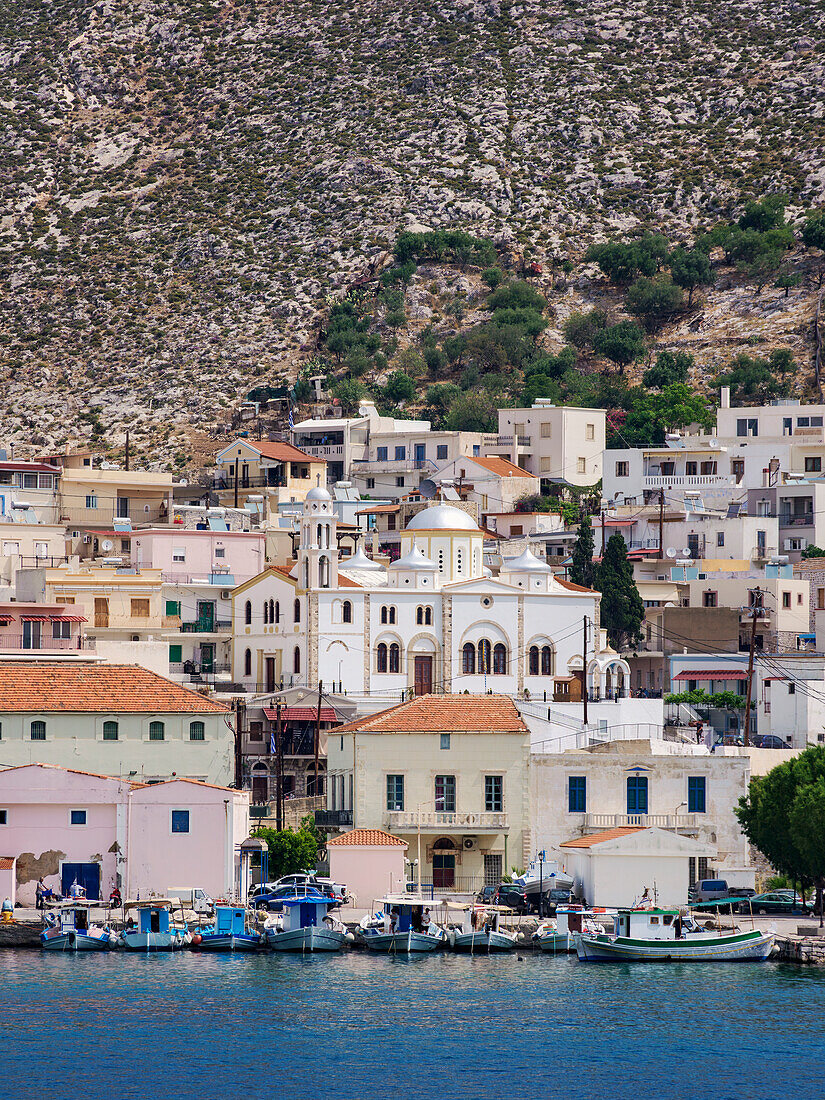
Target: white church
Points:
(435, 620)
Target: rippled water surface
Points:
(445, 1026)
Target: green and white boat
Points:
(664, 935)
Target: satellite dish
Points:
(671, 552)
(686, 552)
(428, 488)
(107, 544)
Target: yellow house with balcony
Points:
(91, 497)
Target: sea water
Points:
(358, 1025)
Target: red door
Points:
(423, 675)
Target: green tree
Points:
(399, 387)
(669, 367)
(621, 610)
(690, 269)
(492, 276)
(768, 213)
(813, 552)
(349, 394)
(516, 294)
(654, 301)
(411, 362)
(582, 566)
(813, 235)
(580, 329)
(753, 380)
(472, 412)
(622, 262)
(787, 280)
(291, 851)
(622, 344)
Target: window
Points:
(173, 608)
(690, 469)
(696, 794)
(390, 522)
(197, 731)
(737, 468)
(445, 794)
(533, 661)
(428, 616)
(157, 731)
(180, 821)
(747, 426)
(459, 560)
(110, 731)
(247, 662)
(247, 613)
(91, 500)
(581, 466)
(140, 609)
(440, 561)
(296, 660)
(381, 658)
(577, 794)
(296, 611)
(484, 657)
(786, 599)
(256, 731)
(37, 731)
(708, 467)
(400, 453)
(816, 422)
(720, 538)
(220, 552)
(10, 548)
(441, 451)
(178, 553)
(468, 659)
(813, 465)
(266, 613)
(44, 481)
(370, 482)
(419, 616)
(799, 598)
(802, 422)
(4, 817)
(791, 689)
(77, 817)
(381, 454)
(622, 469)
(61, 630)
(637, 794)
(395, 657)
(277, 617)
(547, 660)
(346, 612)
(590, 431)
(499, 659)
(546, 431)
(709, 599)
(395, 792)
(399, 482)
(493, 794)
(29, 481)
(445, 740)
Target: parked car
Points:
(487, 895)
(768, 741)
(553, 899)
(326, 886)
(709, 889)
(265, 898)
(513, 896)
(776, 901)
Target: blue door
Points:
(420, 452)
(637, 794)
(86, 875)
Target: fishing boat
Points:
(559, 934)
(664, 935)
(154, 931)
(403, 925)
(306, 925)
(543, 875)
(69, 929)
(480, 930)
(229, 932)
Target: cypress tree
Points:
(582, 569)
(622, 610)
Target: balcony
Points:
(763, 553)
(206, 626)
(763, 615)
(363, 467)
(333, 819)
(689, 481)
(646, 821)
(321, 450)
(18, 643)
(439, 821)
(257, 481)
(789, 519)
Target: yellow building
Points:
(278, 472)
(92, 497)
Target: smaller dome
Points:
(441, 517)
(414, 559)
(318, 493)
(526, 562)
(359, 560)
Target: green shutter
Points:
(175, 654)
(173, 607)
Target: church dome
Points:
(318, 493)
(359, 560)
(526, 562)
(415, 560)
(442, 517)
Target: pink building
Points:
(42, 629)
(370, 862)
(66, 826)
(218, 557)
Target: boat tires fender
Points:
(197, 939)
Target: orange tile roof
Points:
(379, 508)
(6, 863)
(576, 587)
(347, 582)
(74, 771)
(374, 838)
(283, 452)
(501, 466)
(444, 714)
(600, 838)
(54, 686)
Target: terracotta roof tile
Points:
(444, 714)
(6, 863)
(600, 838)
(282, 452)
(54, 686)
(74, 771)
(501, 466)
(576, 587)
(372, 837)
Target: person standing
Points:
(39, 893)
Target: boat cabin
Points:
(649, 924)
(304, 912)
(571, 918)
(153, 918)
(230, 920)
(402, 915)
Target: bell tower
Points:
(318, 549)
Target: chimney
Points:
(724, 397)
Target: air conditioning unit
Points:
(226, 594)
(702, 576)
(469, 843)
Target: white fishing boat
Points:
(543, 875)
(305, 924)
(479, 930)
(68, 928)
(403, 926)
(664, 935)
(154, 930)
(559, 934)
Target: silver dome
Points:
(318, 493)
(441, 517)
(526, 562)
(359, 560)
(414, 559)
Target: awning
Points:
(807, 637)
(6, 619)
(35, 618)
(301, 714)
(68, 619)
(714, 674)
(768, 679)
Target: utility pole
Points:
(584, 667)
(236, 482)
(240, 714)
(756, 594)
(602, 532)
(126, 456)
(318, 733)
(661, 523)
(279, 769)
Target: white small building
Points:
(370, 863)
(495, 484)
(558, 444)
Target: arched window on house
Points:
(381, 658)
(247, 662)
(484, 657)
(533, 661)
(266, 613)
(419, 616)
(247, 613)
(547, 660)
(277, 618)
(296, 659)
(296, 611)
(500, 659)
(346, 612)
(395, 657)
(272, 611)
(110, 731)
(197, 731)
(384, 612)
(392, 615)
(157, 731)
(468, 659)
(428, 616)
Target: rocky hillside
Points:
(184, 183)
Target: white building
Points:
(493, 483)
(553, 442)
(434, 620)
(397, 461)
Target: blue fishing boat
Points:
(229, 932)
(154, 930)
(69, 929)
(306, 924)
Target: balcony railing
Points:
(762, 553)
(788, 519)
(401, 819)
(333, 819)
(255, 481)
(206, 626)
(688, 481)
(320, 450)
(611, 695)
(661, 821)
(384, 466)
(454, 884)
(45, 644)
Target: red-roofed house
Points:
(279, 472)
(495, 484)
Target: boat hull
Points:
(483, 943)
(557, 942)
(227, 942)
(402, 942)
(75, 941)
(310, 939)
(741, 947)
(151, 941)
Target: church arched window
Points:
(547, 660)
(247, 613)
(484, 657)
(381, 658)
(296, 611)
(533, 661)
(395, 657)
(346, 612)
(500, 659)
(468, 659)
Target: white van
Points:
(191, 897)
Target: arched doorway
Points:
(260, 784)
(443, 864)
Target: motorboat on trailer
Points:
(665, 935)
(559, 934)
(154, 930)
(306, 924)
(230, 932)
(68, 928)
(543, 875)
(479, 931)
(403, 925)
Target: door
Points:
(122, 507)
(86, 875)
(31, 635)
(101, 611)
(443, 870)
(207, 656)
(270, 673)
(423, 675)
(493, 870)
(420, 454)
(260, 789)
(206, 615)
